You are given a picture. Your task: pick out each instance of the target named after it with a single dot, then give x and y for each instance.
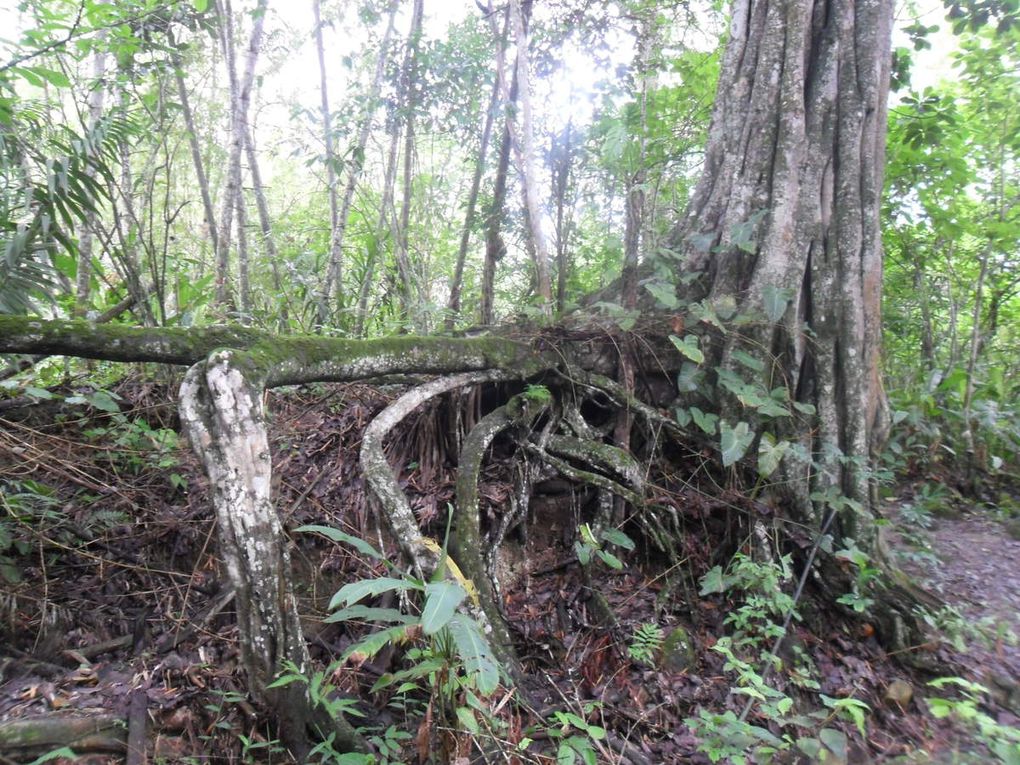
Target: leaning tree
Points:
(777, 265)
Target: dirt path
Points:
(974, 565)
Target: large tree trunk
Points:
(784, 228)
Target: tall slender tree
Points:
(330, 298)
(240, 99)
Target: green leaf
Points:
(704, 421)
(355, 591)
(56, 754)
(40, 393)
(683, 417)
(467, 720)
(103, 401)
(617, 537)
(836, 741)
(610, 560)
(775, 300)
(565, 755)
(664, 294)
(688, 347)
(583, 552)
(369, 614)
(52, 76)
(800, 406)
(713, 582)
(441, 601)
(748, 360)
(336, 535)
(770, 454)
(689, 378)
(734, 441)
(200, 6)
(372, 644)
(474, 651)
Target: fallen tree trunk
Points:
(39, 733)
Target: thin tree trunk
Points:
(561, 182)
(335, 241)
(243, 263)
(409, 77)
(973, 459)
(495, 247)
(453, 307)
(196, 150)
(265, 223)
(529, 172)
(240, 100)
(385, 213)
(126, 256)
(83, 281)
(333, 285)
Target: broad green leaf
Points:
(804, 408)
(610, 560)
(748, 360)
(682, 416)
(734, 441)
(770, 454)
(355, 591)
(336, 535)
(664, 294)
(369, 614)
(689, 378)
(467, 720)
(775, 300)
(441, 601)
(583, 552)
(688, 347)
(617, 537)
(103, 401)
(704, 421)
(474, 651)
(40, 393)
(200, 6)
(372, 644)
(836, 741)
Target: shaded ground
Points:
(968, 554)
(114, 606)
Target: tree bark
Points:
(783, 228)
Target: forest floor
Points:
(113, 607)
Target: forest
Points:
(531, 381)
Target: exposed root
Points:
(381, 479)
(466, 538)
